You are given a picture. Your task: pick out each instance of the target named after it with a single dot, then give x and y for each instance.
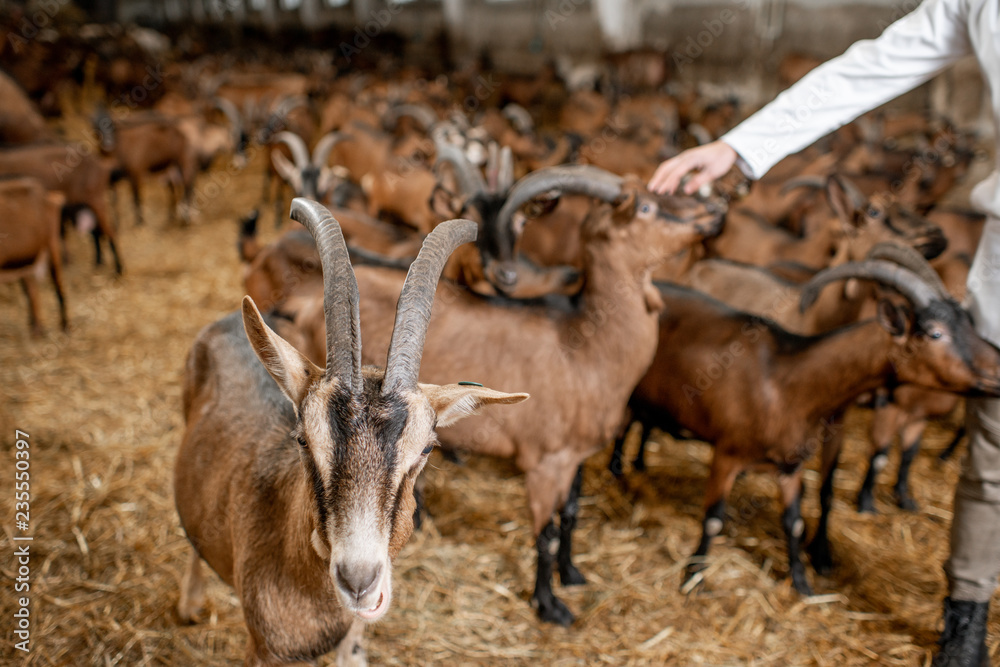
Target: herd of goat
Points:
(750, 318)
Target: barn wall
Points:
(735, 44)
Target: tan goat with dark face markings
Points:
(294, 483)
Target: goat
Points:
(579, 360)
(29, 227)
(768, 398)
(307, 176)
(82, 179)
(20, 122)
(295, 484)
(844, 213)
(907, 408)
(147, 144)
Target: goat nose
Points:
(506, 275)
(357, 579)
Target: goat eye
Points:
(645, 208)
(427, 450)
(874, 213)
(935, 334)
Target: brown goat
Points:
(81, 178)
(579, 360)
(295, 484)
(768, 398)
(147, 144)
(29, 238)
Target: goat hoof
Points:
(554, 611)
(821, 560)
(866, 505)
(800, 583)
(693, 578)
(639, 465)
(616, 468)
(570, 576)
(907, 503)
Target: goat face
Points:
(937, 347)
(880, 220)
(658, 226)
(363, 455)
(361, 452)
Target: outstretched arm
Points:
(869, 73)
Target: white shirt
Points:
(871, 72)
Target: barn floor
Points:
(102, 408)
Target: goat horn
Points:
(858, 198)
(505, 177)
(298, 147)
(811, 181)
(903, 280)
(285, 104)
(492, 166)
(421, 113)
(519, 118)
(323, 147)
(413, 312)
(909, 258)
(470, 181)
(232, 114)
(582, 179)
(341, 304)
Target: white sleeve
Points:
(869, 73)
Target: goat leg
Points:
(568, 574)
(31, 292)
(953, 445)
(866, 496)
(911, 446)
(192, 591)
(55, 271)
(819, 547)
(795, 528)
(615, 464)
(711, 526)
(135, 200)
(550, 608)
(639, 462)
(720, 481)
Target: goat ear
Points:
(446, 204)
(286, 170)
(293, 372)
(453, 402)
(841, 203)
(624, 207)
(894, 318)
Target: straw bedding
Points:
(102, 407)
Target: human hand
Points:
(708, 163)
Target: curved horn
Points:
(413, 312)
(421, 113)
(341, 305)
(492, 165)
(519, 118)
(582, 179)
(901, 279)
(283, 105)
(298, 147)
(858, 198)
(811, 181)
(233, 115)
(469, 179)
(321, 153)
(909, 258)
(505, 177)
